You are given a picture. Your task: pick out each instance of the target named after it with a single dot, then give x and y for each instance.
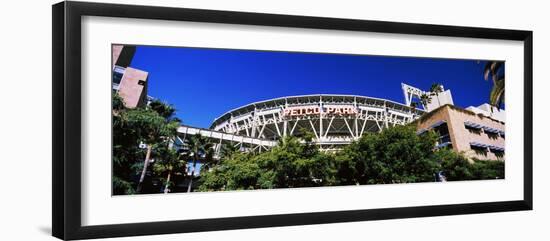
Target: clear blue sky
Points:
(205, 83)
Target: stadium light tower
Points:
(436, 99)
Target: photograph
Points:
(274, 120)
(192, 119)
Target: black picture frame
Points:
(66, 127)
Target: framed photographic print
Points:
(169, 120)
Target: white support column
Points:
(219, 146)
(285, 127)
(356, 127)
(313, 127)
(246, 127)
(385, 115)
(349, 128)
(364, 124)
(277, 126)
(254, 122)
(355, 119)
(379, 126)
(321, 116)
(236, 128)
(328, 127)
(262, 130)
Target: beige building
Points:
(130, 83)
(474, 134)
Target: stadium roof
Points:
(313, 99)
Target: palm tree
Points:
(158, 125)
(413, 107)
(425, 100)
(199, 149)
(169, 161)
(165, 110)
(435, 89)
(495, 70)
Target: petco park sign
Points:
(316, 110)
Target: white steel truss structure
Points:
(218, 138)
(410, 92)
(335, 120)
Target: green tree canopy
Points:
(169, 162)
(132, 127)
(395, 155)
(295, 162)
(456, 167)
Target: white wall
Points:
(25, 134)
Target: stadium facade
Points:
(335, 120)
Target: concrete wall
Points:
(130, 89)
(489, 111)
(462, 136)
(117, 49)
(441, 99)
(122, 55)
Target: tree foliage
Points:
(395, 155)
(151, 125)
(456, 167)
(295, 162)
(170, 162)
(200, 150)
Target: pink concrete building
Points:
(129, 83)
(476, 135)
(122, 55)
(133, 87)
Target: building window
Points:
(479, 148)
(446, 145)
(498, 151)
(118, 72)
(444, 139)
(501, 133)
(496, 148)
(491, 132)
(473, 127)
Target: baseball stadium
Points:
(335, 120)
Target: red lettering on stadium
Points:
(315, 110)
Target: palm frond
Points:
(496, 98)
(487, 70)
(436, 88)
(491, 68)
